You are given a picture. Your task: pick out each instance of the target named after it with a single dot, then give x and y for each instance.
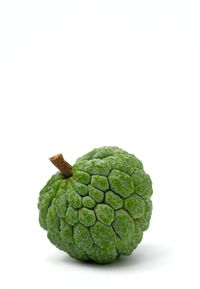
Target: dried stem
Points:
(62, 165)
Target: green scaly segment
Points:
(102, 210)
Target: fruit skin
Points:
(101, 211)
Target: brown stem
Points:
(62, 165)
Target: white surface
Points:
(81, 74)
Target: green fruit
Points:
(99, 208)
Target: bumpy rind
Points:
(100, 212)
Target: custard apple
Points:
(98, 209)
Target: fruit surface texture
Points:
(101, 210)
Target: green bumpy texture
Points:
(101, 211)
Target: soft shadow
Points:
(146, 256)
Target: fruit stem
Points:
(62, 165)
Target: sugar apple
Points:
(98, 209)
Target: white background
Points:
(75, 75)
